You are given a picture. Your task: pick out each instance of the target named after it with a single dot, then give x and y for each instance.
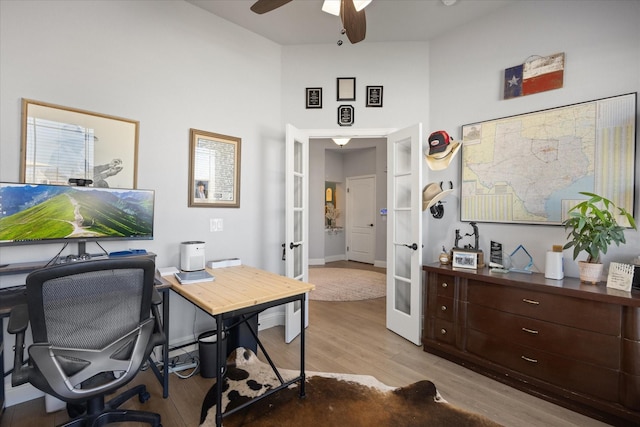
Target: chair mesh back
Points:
(79, 309)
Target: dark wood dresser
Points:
(574, 344)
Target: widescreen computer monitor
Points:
(43, 213)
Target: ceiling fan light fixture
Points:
(332, 7)
(361, 4)
(341, 141)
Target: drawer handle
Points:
(443, 308)
(443, 331)
(530, 301)
(528, 359)
(531, 331)
(444, 284)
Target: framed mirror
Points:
(61, 143)
(214, 170)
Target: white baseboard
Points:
(334, 258)
(20, 394)
(316, 261)
(271, 318)
(380, 264)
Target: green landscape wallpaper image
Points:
(42, 212)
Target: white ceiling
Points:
(303, 22)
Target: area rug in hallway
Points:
(346, 284)
(332, 400)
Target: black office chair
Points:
(94, 323)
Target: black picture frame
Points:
(313, 96)
(345, 115)
(346, 88)
(374, 96)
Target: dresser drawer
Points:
(444, 331)
(577, 344)
(444, 308)
(445, 285)
(579, 313)
(561, 371)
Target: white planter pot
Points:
(590, 272)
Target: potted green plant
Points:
(593, 228)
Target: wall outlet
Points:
(215, 224)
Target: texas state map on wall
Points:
(531, 167)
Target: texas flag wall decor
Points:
(537, 75)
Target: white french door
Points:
(404, 233)
(296, 222)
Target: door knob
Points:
(292, 245)
(370, 225)
(414, 246)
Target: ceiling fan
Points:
(351, 13)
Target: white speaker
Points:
(191, 256)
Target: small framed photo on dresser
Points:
(374, 96)
(463, 259)
(314, 97)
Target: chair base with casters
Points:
(97, 412)
(93, 326)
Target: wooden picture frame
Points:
(313, 96)
(462, 259)
(374, 96)
(62, 143)
(346, 88)
(345, 115)
(214, 170)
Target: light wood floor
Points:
(347, 337)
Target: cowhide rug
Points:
(331, 400)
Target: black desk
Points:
(16, 295)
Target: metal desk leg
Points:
(302, 345)
(219, 363)
(165, 346)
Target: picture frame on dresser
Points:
(462, 259)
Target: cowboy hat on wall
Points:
(442, 150)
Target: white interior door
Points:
(361, 217)
(404, 233)
(296, 222)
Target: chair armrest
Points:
(18, 323)
(19, 319)
(156, 298)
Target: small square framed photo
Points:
(313, 97)
(463, 259)
(346, 88)
(374, 96)
(345, 115)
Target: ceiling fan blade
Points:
(354, 22)
(264, 6)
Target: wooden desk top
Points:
(238, 287)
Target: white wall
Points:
(173, 67)
(401, 68)
(601, 41)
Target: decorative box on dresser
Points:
(574, 344)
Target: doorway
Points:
(330, 169)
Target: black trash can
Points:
(240, 335)
(207, 350)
